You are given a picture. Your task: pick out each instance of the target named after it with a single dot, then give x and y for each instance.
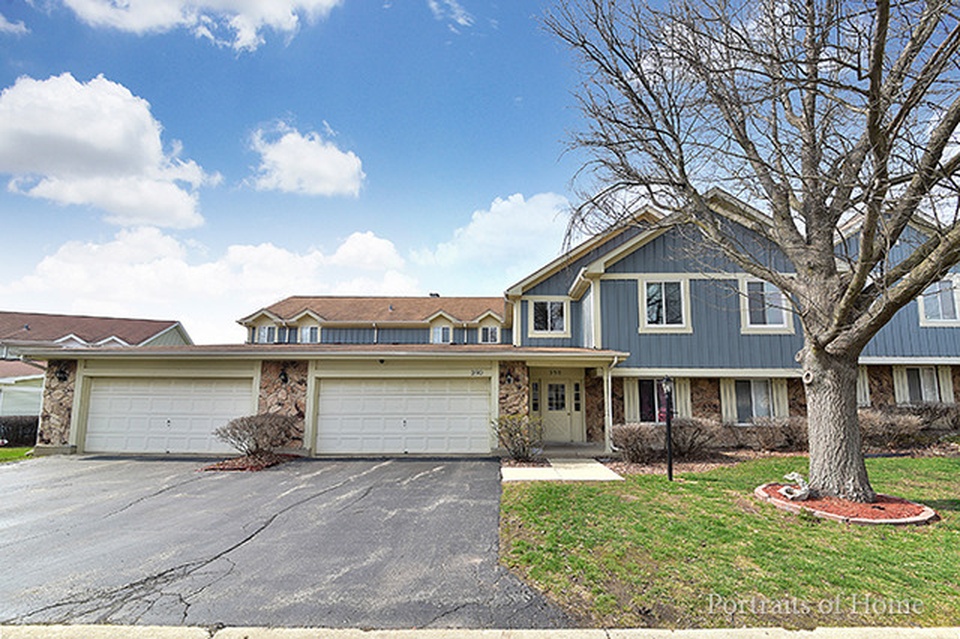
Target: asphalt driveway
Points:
(356, 543)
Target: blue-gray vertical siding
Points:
(716, 340)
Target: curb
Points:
(927, 516)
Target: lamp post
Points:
(667, 384)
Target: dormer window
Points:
(287, 335)
(309, 334)
(489, 334)
(441, 334)
(267, 334)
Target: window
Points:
(556, 397)
(441, 335)
(252, 336)
(653, 401)
(939, 302)
(922, 384)
(664, 304)
(489, 335)
(309, 334)
(765, 305)
(576, 396)
(535, 397)
(287, 335)
(753, 399)
(549, 317)
(262, 335)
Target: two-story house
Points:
(582, 343)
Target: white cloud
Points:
(450, 10)
(152, 274)
(305, 163)
(234, 23)
(95, 144)
(500, 245)
(13, 28)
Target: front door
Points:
(558, 400)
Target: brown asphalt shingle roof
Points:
(388, 309)
(42, 327)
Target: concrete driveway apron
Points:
(337, 543)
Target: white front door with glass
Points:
(557, 398)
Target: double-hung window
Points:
(489, 335)
(441, 334)
(939, 302)
(754, 399)
(309, 334)
(922, 384)
(549, 317)
(764, 305)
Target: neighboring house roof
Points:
(72, 330)
(14, 369)
(382, 310)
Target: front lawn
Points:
(703, 552)
(14, 454)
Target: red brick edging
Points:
(927, 516)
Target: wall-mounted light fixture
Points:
(283, 377)
(508, 378)
(62, 374)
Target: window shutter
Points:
(781, 404)
(681, 397)
(728, 401)
(901, 393)
(945, 378)
(631, 403)
(863, 387)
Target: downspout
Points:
(608, 407)
(376, 334)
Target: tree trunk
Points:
(836, 457)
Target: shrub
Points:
(891, 428)
(638, 443)
(781, 433)
(19, 430)
(520, 435)
(693, 437)
(256, 435)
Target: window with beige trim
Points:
(664, 305)
(938, 304)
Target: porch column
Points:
(607, 410)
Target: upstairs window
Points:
(489, 335)
(287, 335)
(266, 334)
(549, 317)
(309, 334)
(939, 302)
(441, 335)
(664, 304)
(765, 305)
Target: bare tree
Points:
(838, 119)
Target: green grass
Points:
(14, 454)
(703, 552)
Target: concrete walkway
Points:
(561, 470)
(187, 632)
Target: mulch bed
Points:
(527, 463)
(250, 462)
(885, 510)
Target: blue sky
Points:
(199, 159)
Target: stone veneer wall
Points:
(514, 397)
(796, 398)
(290, 398)
(880, 381)
(705, 398)
(57, 404)
(593, 407)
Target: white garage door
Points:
(163, 415)
(397, 416)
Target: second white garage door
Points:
(163, 415)
(400, 416)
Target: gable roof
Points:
(384, 310)
(15, 369)
(27, 328)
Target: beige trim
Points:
(310, 409)
(728, 401)
(863, 387)
(516, 335)
(954, 323)
(682, 403)
(901, 390)
(631, 403)
(565, 333)
(746, 328)
(78, 414)
(780, 403)
(686, 327)
(597, 316)
(945, 381)
(738, 373)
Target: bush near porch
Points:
(702, 552)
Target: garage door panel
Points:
(163, 415)
(396, 416)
